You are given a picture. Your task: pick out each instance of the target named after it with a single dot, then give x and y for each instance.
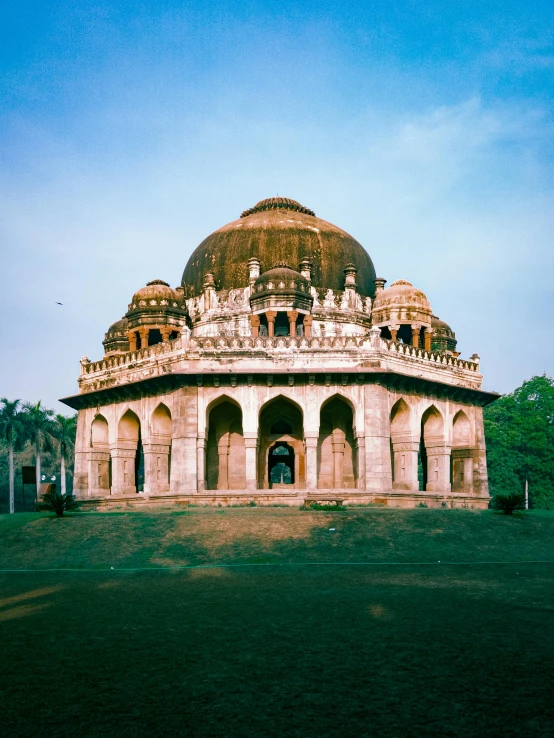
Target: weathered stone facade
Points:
(276, 389)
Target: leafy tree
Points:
(65, 429)
(519, 429)
(509, 503)
(12, 429)
(39, 426)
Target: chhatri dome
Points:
(280, 372)
(278, 229)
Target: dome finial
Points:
(277, 203)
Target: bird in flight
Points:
(59, 303)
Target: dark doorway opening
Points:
(281, 464)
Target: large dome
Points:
(278, 229)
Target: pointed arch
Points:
(225, 450)
(336, 457)
(128, 428)
(281, 421)
(220, 399)
(99, 432)
(160, 421)
(400, 416)
(432, 422)
(461, 430)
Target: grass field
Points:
(356, 631)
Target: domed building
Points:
(280, 371)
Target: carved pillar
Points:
(132, 338)
(156, 468)
(251, 453)
(201, 462)
(123, 468)
(143, 333)
(165, 331)
(271, 315)
(308, 320)
(393, 332)
(415, 336)
(405, 464)
(360, 461)
(99, 472)
(223, 459)
(462, 470)
(311, 459)
(255, 325)
(438, 469)
(292, 316)
(184, 479)
(427, 338)
(338, 463)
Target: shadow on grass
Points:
(301, 652)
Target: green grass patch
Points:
(280, 650)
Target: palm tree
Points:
(11, 428)
(64, 430)
(39, 425)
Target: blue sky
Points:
(130, 131)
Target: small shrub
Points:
(422, 504)
(508, 503)
(444, 504)
(57, 503)
(329, 506)
(252, 503)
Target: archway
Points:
(280, 464)
(157, 452)
(435, 455)
(462, 454)
(99, 472)
(404, 448)
(225, 451)
(336, 451)
(281, 441)
(128, 456)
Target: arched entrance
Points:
(225, 452)
(336, 447)
(281, 455)
(280, 465)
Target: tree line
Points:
(32, 427)
(519, 430)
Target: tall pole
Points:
(526, 493)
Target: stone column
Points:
(271, 315)
(427, 338)
(99, 473)
(132, 338)
(82, 449)
(292, 316)
(415, 335)
(378, 472)
(156, 468)
(255, 325)
(360, 461)
(165, 331)
(480, 476)
(308, 320)
(393, 332)
(462, 470)
(438, 469)
(251, 453)
(123, 468)
(311, 438)
(201, 443)
(338, 460)
(223, 457)
(184, 479)
(143, 333)
(405, 465)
